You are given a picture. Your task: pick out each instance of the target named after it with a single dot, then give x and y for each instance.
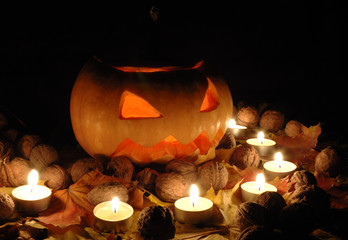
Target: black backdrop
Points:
(287, 54)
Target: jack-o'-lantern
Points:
(150, 115)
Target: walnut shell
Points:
(171, 186)
(7, 206)
(26, 144)
(272, 120)
(83, 166)
(228, 141)
(186, 168)
(147, 178)
(106, 192)
(274, 203)
(248, 116)
(6, 150)
(245, 156)
(297, 220)
(250, 213)
(212, 174)
(15, 173)
(43, 155)
(121, 167)
(259, 232)
(313, 196)
(56, 177)
(156, 223)
(293, 128)
(303, 177)
(327, 161)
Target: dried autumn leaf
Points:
(69, 206)
(308, 139)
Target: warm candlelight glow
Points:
(232, 123)
(278, 158)
(261, 137)
(194, 194)
(33, 178)
(260, 181)
(115, 203)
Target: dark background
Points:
(288, 54)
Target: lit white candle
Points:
(237, 130)
(32, 198)
(278, 167)
(113, 215)
(250, 190)
(193, 209)
(265, 147)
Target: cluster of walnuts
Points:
(271, 217)
(270, 120)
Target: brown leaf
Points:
(136, 199)
(70, 206)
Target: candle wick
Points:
(193, 204)
(280, 166)
(115, 210)
(259, 189)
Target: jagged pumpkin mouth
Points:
(168, 148)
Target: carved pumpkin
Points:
(148, 114)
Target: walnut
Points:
(293, 128)
(303, 177)
(274, 203)
(56, 177)
(156, 223)
(43, 155)
(15, 173)
(7, 206)
(314, 196)
(245, 156)
(186, 168)
(250, 213)
(26, 144)
(297, 220)
(248, 116)
(83, 166)
(121, 167)
(272, 120)
(212, 174)
(228, 141)
(171, 186)
(106, 192)
(327, 161)
(259, 232)
(147, 178)
(6, 150)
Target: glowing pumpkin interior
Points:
(148, 114)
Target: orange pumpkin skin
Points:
(181, 112)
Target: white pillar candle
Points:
(113, 216)
(237, 130)
(278, 167)
(250, 190)
(193, 209)
(32, 198)
(265, 147)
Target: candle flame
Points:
(115, 204)
(260, 181)
(278, 158)
(33, 178)
(194, 194)
(232, 123)
(261, 137)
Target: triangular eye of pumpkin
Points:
(211, 98)
(135, 107)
